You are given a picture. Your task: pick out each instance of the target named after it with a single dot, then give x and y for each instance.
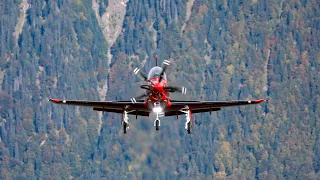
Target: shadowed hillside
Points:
(219, 50)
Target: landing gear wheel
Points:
(125, 127)
(189, 128)
(157, 125)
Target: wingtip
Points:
(259, 100)
(54, 100)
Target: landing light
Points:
(157, 109)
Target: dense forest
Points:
(219, 50)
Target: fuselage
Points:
(158, 99)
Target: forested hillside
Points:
(219, 50)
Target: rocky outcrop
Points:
(24, 6)
(111, 23)
(188, 13)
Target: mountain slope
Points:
(219, 50)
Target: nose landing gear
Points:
(157, 122)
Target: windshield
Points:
(155, 73)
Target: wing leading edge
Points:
(108, 106)
(215, 104)
(205, 106)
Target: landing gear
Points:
(125, 122)
(125, 127)
(189, 127)
(188, 123)
(157, 122)
(188, 120)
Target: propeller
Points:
(141, 96)
(150, 87)
(182, 89)
(147, 87)
(134, 99)
(165, 65)
(142, 74)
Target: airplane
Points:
(157, 100)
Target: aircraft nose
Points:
(158, 87)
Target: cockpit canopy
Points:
(155, 73)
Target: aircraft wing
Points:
(205, 106)
(135, 108)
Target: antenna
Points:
(156, 60)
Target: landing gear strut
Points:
(125, 127)
(188, 120)
(189, 128)
(125, 122)
(157, 122)
(188, 123)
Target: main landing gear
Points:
(188, 120)
(125, 122)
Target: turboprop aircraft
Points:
(157, 100)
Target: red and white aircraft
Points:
(156, 100)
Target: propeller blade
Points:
(141, 96)
(134, 99)
(147, 87)
(182, 89)
(165, 65)
(142, 74)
